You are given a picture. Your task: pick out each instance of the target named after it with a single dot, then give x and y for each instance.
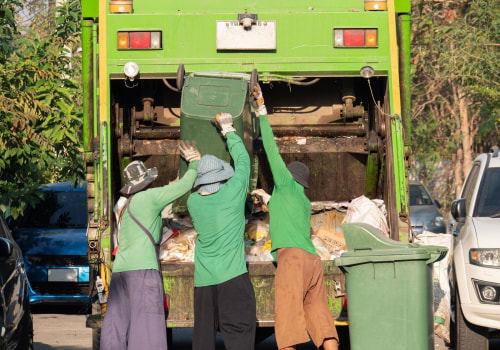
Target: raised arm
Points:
(278, 166)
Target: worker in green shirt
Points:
(224, 298)
(300, 300)
(135, 316)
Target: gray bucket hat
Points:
(210, 188)
(212, 170)
(300, 173)
(137, 177)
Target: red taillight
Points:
(355, 37)
(344, 303)
(140, 40)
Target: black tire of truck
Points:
(262, 333)
(169, 338)
(96, 338)
(465, 335)
(344, 338)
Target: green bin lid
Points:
(203, 95)
(366, 243)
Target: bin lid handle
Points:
(227, 75)
(438, 254)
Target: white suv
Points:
(475, 283)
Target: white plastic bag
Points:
(442, 308)
(180, 247)
(372, 212)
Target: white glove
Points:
(225, 123)
(189, 151)
(258, 101)
(261, 195)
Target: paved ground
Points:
(61, 329)
(64, 329)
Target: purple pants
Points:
(135, 318)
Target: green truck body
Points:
(335, 78)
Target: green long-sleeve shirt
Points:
(135, 249)
(289, 208)
(219, 220)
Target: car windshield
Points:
(419, 196)
(57, 210)
(488, 202)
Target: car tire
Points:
(96, 338)
(26, 331)
(467, 335)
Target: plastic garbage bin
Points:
(204, 95)
(389, 290)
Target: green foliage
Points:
(7, 26)
(455, 57)
(40, 107)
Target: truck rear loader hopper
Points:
(335, 125)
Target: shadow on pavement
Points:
(69, 309)
(42, 346)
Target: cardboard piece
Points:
(334, 239)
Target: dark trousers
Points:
(135, 318)
(228, 307)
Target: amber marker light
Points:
(123, 40)
(371, 37)
(121, 6)
(375, 5)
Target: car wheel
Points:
(468, 336)
(26, 333)
(96, 338)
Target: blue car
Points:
(53, 239)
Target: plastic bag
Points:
(322, 248)
(257, 229)
(372, 212)
(258, 251)
(442, 295)
(180, 247)
(172, 220)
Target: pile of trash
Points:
(179, 236)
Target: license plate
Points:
(230, 35)
(63, 275)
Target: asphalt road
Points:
(63, 328)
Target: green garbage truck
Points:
(335, 77)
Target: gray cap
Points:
(300, 173)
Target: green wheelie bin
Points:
(204, 95)
(389, 290)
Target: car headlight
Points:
(438, 221)
(487, 257)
